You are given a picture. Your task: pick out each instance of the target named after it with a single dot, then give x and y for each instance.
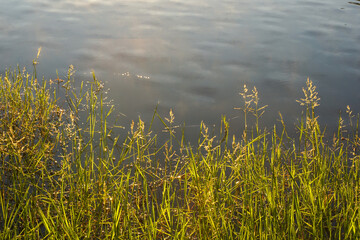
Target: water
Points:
(194, 56)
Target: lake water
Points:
(194, 56)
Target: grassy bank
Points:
(67, 178)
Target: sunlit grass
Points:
(63, 178)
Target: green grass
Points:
(66, 176)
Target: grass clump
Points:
(67, 178)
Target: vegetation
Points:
(67, 178)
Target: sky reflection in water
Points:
(196, 55)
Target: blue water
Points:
(194, 56)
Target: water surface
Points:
(194, 56)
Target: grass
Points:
(66, 176)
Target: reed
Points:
(66, 176)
